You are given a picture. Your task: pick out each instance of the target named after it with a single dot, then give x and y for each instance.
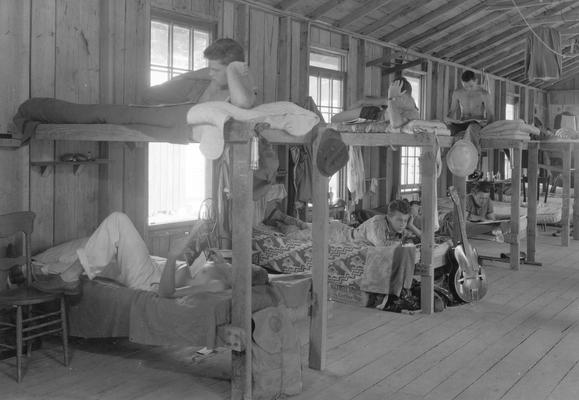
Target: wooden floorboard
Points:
(517, 343)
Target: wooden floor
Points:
(520, 342)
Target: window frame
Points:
(335, 75)
(414, 188)
(193, 23)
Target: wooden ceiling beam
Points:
(367, 8)
(491, 42)
(516, 44)
(502, 61)
(286, 4)
(508, 5)
(481, 36)
(511, 68)
(467, 31)
(439, 29)
(407, 8)
(553, 19)
(324, 8)
(449, 6)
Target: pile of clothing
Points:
(514, 130)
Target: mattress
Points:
(107, 309)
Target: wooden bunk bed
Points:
(237, 135)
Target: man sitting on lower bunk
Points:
(395, 228)
(117, 248)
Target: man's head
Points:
(482, 190)
(406, 87)
(398, 214)
(415, 208)
(468, 79)
(220, 54)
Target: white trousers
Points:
(117, 237)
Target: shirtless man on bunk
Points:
(116, 249)
(471, 106)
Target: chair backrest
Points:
(11, 225)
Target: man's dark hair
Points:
(467, 76)
(399, 205)
(406, 87)
(483, 186)
(225, 51)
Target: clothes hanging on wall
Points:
(542, 58)
(356, 176)
(302, 173)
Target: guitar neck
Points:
(461, 222)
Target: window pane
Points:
(176, 172)
(200, 43)
(326, 61)
(159, 76)
(159, 43)
(181, 47)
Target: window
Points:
(327, 90)
(178, 174)
(511, 113)
(410, 156)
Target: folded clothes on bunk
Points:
(506, 125)
(508, 134)
(422, 126)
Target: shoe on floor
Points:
(55, 284)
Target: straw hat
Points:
(462, 158)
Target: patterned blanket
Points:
(347, 261)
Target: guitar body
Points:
(467, 288)
(467, 278)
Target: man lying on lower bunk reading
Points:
(116, 247)
(396, 227)
(480, 215)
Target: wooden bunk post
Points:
(576, 191)
(515, 205)
(566, 150)
(319, 318)
(428, 175)
(533, 175)
(242, 218)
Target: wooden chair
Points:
(29, 322)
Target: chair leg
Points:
(19, 344)
(28, 342)
(64, 320)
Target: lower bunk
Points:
(355, 269)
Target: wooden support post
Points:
(515, 204)
(566, 150)
(319, 318)
(428, 174)
(576, 193)
(242, 217)
(460, 184)
(532, 176)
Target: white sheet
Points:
(208, 119)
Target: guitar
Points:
(467, 278)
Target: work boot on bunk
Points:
(55, 284)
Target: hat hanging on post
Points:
(332, 153)
(462, 158)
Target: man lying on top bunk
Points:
(116, 236)
(395, 228)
